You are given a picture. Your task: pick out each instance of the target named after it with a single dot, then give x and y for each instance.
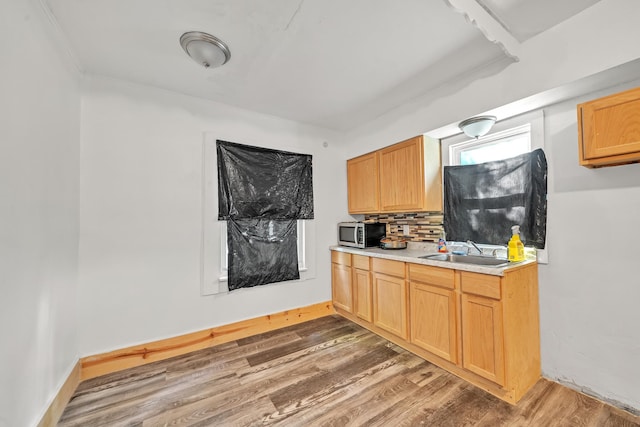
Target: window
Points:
(213, 249)
(495, 146)
(509, 138)
(224, 249)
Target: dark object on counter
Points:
(393, 244)
(482, 202)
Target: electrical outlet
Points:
(405, 230)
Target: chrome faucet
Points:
(469, 242)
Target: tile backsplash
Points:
(423, 226)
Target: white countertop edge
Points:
(412, 256)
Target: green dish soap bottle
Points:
(516, 248)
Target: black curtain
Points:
(262, 193)
(261, 251)
(255, 182)
(483, 201)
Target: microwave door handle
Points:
(355, 234)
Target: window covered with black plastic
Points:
(262, 193)
(261, 251)
(255, 182)
(482, 202)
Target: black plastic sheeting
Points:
(262, 251)
(255, 182)
(262, 193)
(482, 202)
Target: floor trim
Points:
(113, 361)
(54, 411)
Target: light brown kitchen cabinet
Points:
(410, 179)
(433, 310)
(482, 339)
(363, 184)
(404, 177)
(500, 328)
(609, 130)
(341, 281)
(483, 328)
(390, 297)
(362, 285)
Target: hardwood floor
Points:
(326, 372)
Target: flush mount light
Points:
(475, 127)
(205, 49)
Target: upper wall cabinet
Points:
(363, 184)
(410, 178)
(407, 178)
(609, 130)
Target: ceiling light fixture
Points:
(205, 49)
(475, 127)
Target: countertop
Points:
(412, 254)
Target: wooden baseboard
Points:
(53, 413)
(105, 363)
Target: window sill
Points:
(224, 279)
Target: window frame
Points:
(456, 149)
(212, 239)
(534, 118)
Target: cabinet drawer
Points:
(442, 277)
(480, 284)
(360, 262)
(341, 258)
(385, 266)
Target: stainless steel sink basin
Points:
(469, 259)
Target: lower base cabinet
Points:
(433, 320)
(483, 328)
(364, 294)
(390, 304)
(341, 283)
(482, 338)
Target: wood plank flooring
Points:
(326, 372)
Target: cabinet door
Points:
(390, 304)
(341, 287)
(609, 129)
(433, 320)
(363, 184)
(482, 338)
(364, 294)
(402, 176)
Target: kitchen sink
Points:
(486, 261)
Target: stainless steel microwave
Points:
(361, 234)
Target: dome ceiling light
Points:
(475, 127)
(205, 49)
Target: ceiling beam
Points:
(488, 26)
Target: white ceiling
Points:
(332, 63)
(526, 18)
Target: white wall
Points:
(140, 214)
(589, 318)
(39, 171)
(590, 289)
